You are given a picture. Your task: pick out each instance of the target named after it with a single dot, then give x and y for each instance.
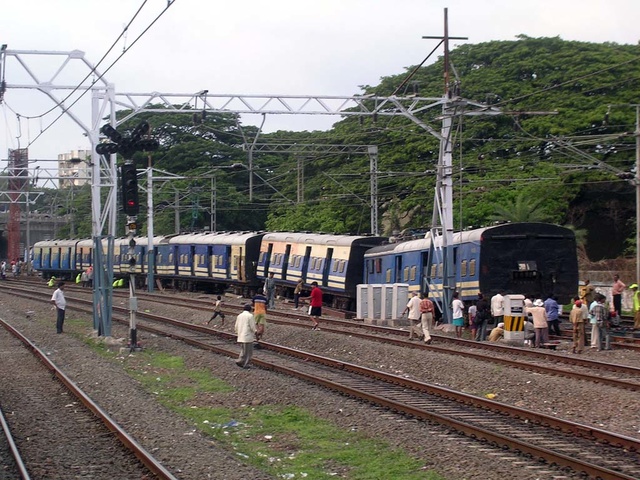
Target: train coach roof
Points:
(321, 238)
(212, 238)
(425, 243)
(57, 243)
(87, 242)
(143, 240)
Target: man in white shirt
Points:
(60, 304)
(497, 307)
(415, 316)
(246, 330)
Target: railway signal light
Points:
(111, 133)
(141, 129)
(127, 145)
(107, 148)
(129, 181)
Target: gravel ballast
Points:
(191, 455)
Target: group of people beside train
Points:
(589, 309)
(15, 267)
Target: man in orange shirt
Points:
(260, 314)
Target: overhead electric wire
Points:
(93, 69)
(169, 3)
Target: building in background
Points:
(74, 168)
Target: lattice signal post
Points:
(127, 145)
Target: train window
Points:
(463, 268)
(298, 258)
(261, 258)
(413, 273)
(388, 276)
(433, 270)
(472, 267)
(378, 265)
(405, 274)
(343, 264)
(335, 266)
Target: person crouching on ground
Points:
(497, 333)
(245, 329)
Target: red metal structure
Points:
(18, 177)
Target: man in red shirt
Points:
(426, 310)
(316, 304)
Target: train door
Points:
(55, 258)
(397, 274)
(192, 259)
(267, 260)
(175, 259)
(231, 263)
(285, 261)
(210, 258)
(305, 264)
(424, 274)
(241, 273)
(327, 267)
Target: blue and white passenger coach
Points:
(520, 258)
(222, 259)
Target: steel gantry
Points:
(105, 100)
(72, 73)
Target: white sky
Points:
(322, 47)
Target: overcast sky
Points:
(322, 47)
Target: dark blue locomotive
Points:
(526, 258)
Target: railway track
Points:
(584, 449)
(534, 360)
(55, 430)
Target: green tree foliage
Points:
(522, 208)
(554, 95)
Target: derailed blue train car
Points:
(55, 258)
(334, 261)
(215, 260)
(520, 258)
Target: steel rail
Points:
(573, 428)
(15, 453)
(127, 440)
(521, 352)
(610, 438)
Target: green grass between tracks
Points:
(285, 441)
